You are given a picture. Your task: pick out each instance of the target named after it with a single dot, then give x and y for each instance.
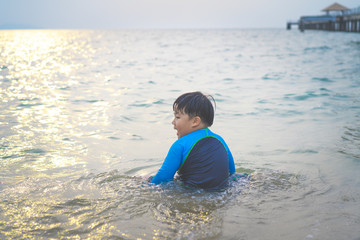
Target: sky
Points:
(163, 14)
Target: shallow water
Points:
(85, 117)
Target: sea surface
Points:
(85, 118)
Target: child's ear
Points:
(196, 121)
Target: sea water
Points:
(85, 118)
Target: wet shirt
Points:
(202, 160)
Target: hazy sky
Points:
(114, 14)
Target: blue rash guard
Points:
(202, 159)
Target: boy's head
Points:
(196, 104)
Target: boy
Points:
(201, 157)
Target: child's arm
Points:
(170, 166)
(230, 157)
(231, 163)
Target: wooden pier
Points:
(289, 24)
(337, 18)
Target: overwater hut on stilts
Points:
(337, 18)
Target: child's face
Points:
(182, 123)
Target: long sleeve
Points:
(171, 164)
(231, 163)
(230, 156)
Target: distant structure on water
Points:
(337, 18)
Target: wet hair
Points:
(196, 104)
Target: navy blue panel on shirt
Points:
(206, 166)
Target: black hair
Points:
(196, 104)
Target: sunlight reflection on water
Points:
(39, 64)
